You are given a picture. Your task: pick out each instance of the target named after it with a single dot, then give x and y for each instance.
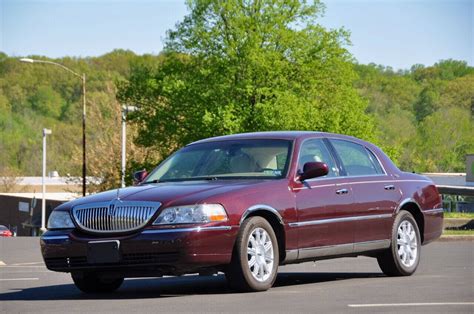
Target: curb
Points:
(448, 238)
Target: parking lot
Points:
(444, 283)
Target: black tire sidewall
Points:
(402, 269)
(248, 226)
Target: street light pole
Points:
(84, 169)
(43, 202)
(125, 110)
(83, 80)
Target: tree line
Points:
(232, 67)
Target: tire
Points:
(255, 258)
(92, 283)
(403, 256)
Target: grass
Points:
(459, 215)
(458, 232)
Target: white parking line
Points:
(22, 264)
(410, 304)
(17, 279)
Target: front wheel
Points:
(255, 258)
(403, 256)
(92, 283)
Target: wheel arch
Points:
(276, 221)
(411, 206)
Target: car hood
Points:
(168, 193)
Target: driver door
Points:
(322, 204)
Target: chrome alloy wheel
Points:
(407, 245)
(260, 254)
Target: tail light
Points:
(6, 233)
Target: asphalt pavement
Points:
(443, 283)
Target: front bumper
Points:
(151, 251)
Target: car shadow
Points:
(142, 288)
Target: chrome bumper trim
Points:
(193, 229)
(333, 220)
(433, 211)
(57, 237)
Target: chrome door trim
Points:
(323, 251)
(371, 245)
(334, 220)
(341, 249)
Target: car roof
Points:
(285, 135)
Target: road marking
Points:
(17, 279)
(2, 263)
(410, 304)
(22, 264)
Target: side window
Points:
(355, 158)
(316, 150)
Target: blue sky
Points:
(389, 32)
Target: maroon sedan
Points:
(243, 205)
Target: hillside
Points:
(424, 115)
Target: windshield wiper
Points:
(152, 181)
(207, 178)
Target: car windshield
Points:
(2, 227)
(232, 159)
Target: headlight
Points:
(202, 213)
(60, 220)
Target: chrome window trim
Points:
(345, 177)
(193, 229)
(377, 159)
(334, 220)
(360, 182)
(253, 208)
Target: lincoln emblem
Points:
(111, 209)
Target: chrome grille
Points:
(114, 216)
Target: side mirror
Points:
(139, 176)
(314, 170)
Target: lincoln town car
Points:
(243, 205)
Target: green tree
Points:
(445, 137)
(47, 102)
(240, 66)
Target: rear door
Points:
(375, 192)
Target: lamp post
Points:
(43, 201)
(125, 110)
(83, 80)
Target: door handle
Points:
(342, 191)
(389, 187)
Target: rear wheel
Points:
(92, 283)
(403, 256)
(255, 259)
